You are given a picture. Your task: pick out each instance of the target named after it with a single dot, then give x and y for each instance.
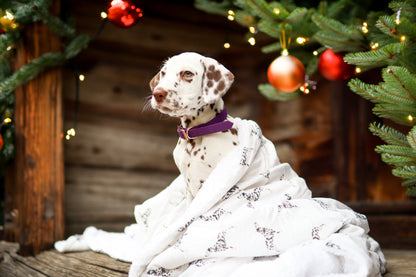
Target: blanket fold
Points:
(253, 216)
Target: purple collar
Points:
(215, 125)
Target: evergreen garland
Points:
(387, 40)
(26, 12)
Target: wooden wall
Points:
(121, 154)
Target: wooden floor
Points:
(91, 264)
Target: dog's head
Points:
(188, 82)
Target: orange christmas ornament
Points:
(286, 74)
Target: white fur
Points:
(189, 86)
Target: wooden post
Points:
(35, 196)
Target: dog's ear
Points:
(155, 81)
(216, 80)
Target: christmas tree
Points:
(366, 39)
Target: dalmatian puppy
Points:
(190, 87)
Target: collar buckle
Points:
(185, 132)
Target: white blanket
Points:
(253, 217)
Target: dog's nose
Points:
(159, 94)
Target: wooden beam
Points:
(35, 198)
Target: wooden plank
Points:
(111, 146)
(400, 263)
(36, 197)
(106, 198)
(53, 263)
(391, 223)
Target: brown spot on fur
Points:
(211, 68)
(234, 131)
(155, 81)
(202, 157)
(234, 143)
(221, 86)
(210, 84)
(217, 75)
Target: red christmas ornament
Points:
(332, 66)
(1, 142)
(286, 74)
(123, 13)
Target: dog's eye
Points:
(188, 74)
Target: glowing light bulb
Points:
(231, 15)
(364, 28)
(227, 45)
(374, 45)
(252, 41)
(285, 52)
(357, 70)
(315, 53)
(9, 15)
(301, 40)
(403, 38)
(70, 133)
(252, 29)
(7, 120)
(104, 15)
(410, 118)
(276, 10)
(81, 77)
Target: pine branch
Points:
(406, 172)
(401, 81)
(271, 93)
(338, 43)
(407, 28)
(375, 58)
(411, 138)
(388, 134)
(262, 9)
(397, 161)
(375, 93)
(219, 8)
(7, 40)
(31, 69)
(38, 11)
(387, 25)
(335, 35)
(397, 150)
(407, 8)
(244, 18)
(271, 28)
(411, 187)
(273, 47)
(398, 114)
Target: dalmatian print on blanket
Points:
(253, 217)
